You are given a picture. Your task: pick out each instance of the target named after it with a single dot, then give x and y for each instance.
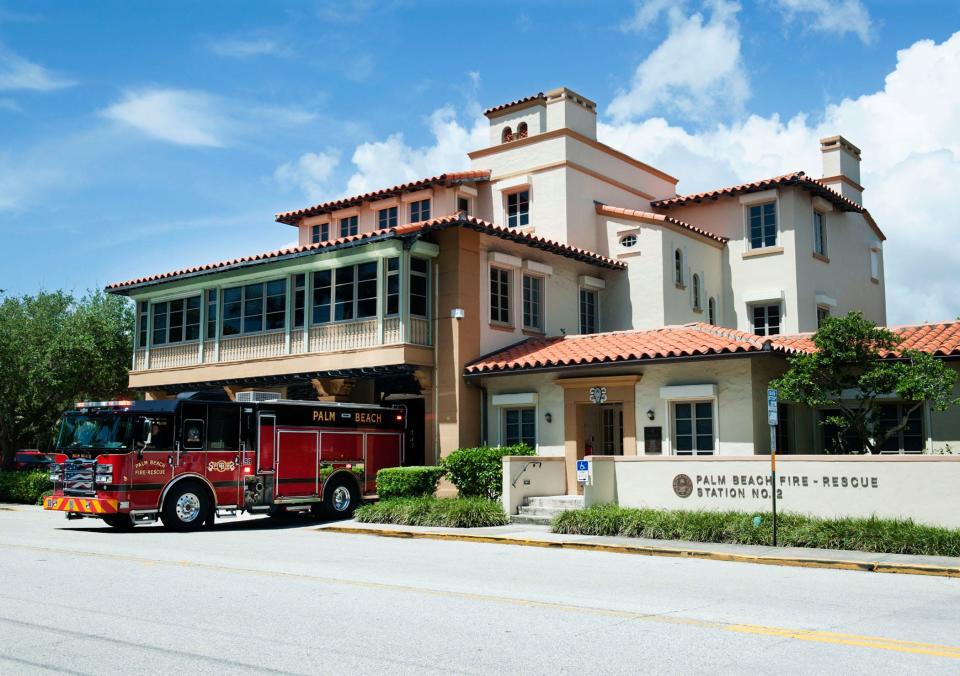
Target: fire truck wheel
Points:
(118, 521)
(185, 507)
(340, 498)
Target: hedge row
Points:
(429, 511)
(408, 482)
(24, 487)
(793, 530)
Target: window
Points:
(712, 311)
(319, 233)
(212, 317)
(315, 234)
(628, 241)
(521, 130)
(763, 225)
(223, 432)
(419, 211)
(520, 426)
(393, 287)
(908, 440)
(299, 299)
(518, 209)
(696, 293)
(143, 309)
(176, 321)
(500, 295)
(678, 268)
(349, 226)
(822, 313)
(322, 296)
(766, 320)
(875, 264)
(533, 302)
(255, 307)
(783, 429)
(344, 294)
(819, 234)
(588, 311)
(367, 290)
(387, 218)
(463, 204)
(506, 135)
(192, 434)
(419, 286)
(693, 428)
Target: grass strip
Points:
(889, 536)
(430, 511)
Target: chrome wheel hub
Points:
(341, 498)
(188, 507)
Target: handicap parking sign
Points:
(583, 471)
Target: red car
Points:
(30, 459)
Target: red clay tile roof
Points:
(400, 231)
(689, 340)
(941, 339)
(446, 179)
(539, 96)
(649, 216)
(796, 178)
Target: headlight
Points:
(54, 472)
(104, 474)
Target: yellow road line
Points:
(827, 637)
(653, 550)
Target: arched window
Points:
(712, 311)
(696, 292)
(678, 267)
(522, 130)
(507, 135)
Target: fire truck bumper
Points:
(81, 505)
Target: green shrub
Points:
(891, 536)
(478, 472)
(429, 511)
(408, 482)
(24, 487)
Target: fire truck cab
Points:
(189, 459)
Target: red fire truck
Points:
(189, 459)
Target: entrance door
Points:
(611, 430)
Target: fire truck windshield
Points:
(95, 430)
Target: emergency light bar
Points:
(103, 404)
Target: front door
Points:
(611, 430)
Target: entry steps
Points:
(541, 510)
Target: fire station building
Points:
(559, 292)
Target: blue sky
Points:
(137, 138)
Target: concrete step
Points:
(558, 502)
(533, 520)
(540, 511)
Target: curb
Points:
(676, 552)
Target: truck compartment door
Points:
(383, 450)
(297, 463)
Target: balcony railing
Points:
(335, 337)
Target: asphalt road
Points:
(251, 597)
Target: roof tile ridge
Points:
(735, 335)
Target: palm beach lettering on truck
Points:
(324, 415)
(758, 485)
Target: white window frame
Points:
(506, 206)
(765, 304)
(351, 223)
(420, 209)
(819, 233)
(509, 272)
(759, 199)
(395, 217)
(596, 309)
(504, 413)
(703, 398)
(541, 281)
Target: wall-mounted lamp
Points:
(457, 313)
(548, 416)
(650, 414)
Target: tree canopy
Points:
(850, 372)
(56, 349)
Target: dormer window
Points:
(419, 211)
(521, 130)
(506, 135)
(319, 233)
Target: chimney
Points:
(841, 167)
(568, 110)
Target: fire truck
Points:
(202, 455)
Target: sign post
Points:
(772, 421)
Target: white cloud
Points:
(189, 118)
(696, 72)
(910, 136)
(647, 14)
(830, 16)
(17, 73)
(243, 48)
(311, 173)
(384, 163)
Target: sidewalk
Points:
(540, 536)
